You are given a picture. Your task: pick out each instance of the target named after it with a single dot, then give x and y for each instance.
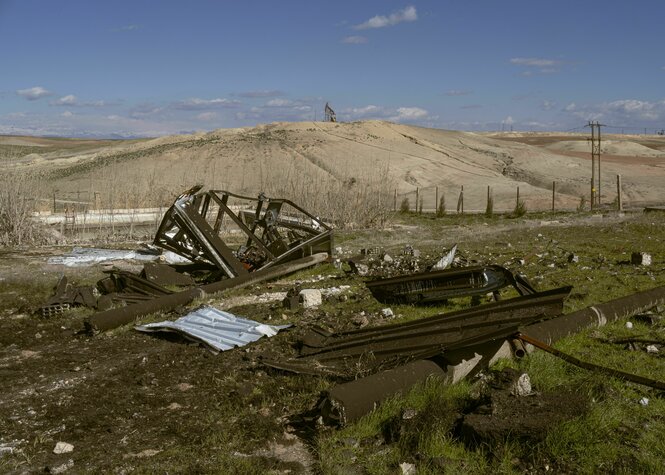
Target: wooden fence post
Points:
(436, 201)
(553, 194)
(395, 201)
(619, 198)
(417, 199)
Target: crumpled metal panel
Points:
(218, 329)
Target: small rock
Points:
(573, 258)
(407, 468)
(174, 406)
(522, 386)
(38, 335)
(408, 414)
(387, 312)
(629, 325)
(360, 320)
(387, 258)
(640, 259)
(339, 250)
(652, 349)
(63, 448)
(184, 386)
(644, 401)
(310, 298)
(359, 268)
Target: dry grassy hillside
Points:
(287, 158)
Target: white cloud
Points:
(458, 92)
(69, 100)
(623, 112)
(536, 62)
(279, 103)
(261, 93)
(381, 21)
(537, 65)
(410, 113)
(33, 93)
(354, 40)
(548, 105)
(196, 103)
(67, 114)
(508, 121)
(205, 116)
(372, 111)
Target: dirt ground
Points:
(131, 402)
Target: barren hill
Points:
(403, 157)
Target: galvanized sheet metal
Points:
(218, 329)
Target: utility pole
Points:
(595, 158)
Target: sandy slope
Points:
(252, 159)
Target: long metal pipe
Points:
(350, 401)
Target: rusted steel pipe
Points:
(552, 330)
(116, 317)
(633, 378)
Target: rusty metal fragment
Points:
(275, 230)
(633, 378)
(435, 286)
(116, 317)
(391, 345)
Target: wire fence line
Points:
(506, 198)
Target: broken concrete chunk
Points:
(407, 468)
(310, 298)
(387, 312)
(522, 387)
(387, 258)
(63, 448)
(640, 259)
(652, 349)
(359, 268)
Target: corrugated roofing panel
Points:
(218, 329)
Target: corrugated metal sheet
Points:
(218, 329)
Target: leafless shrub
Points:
(357, 199)
(17, 203)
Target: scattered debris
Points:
(446, 260)
(390, 345)
(116, 317)
(219, 330)
(501, 415)
(407, 468)
(644, 401)
(573, 258)
(652, 349)
(629, 325)
(387, 312)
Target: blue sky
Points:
(145, 68)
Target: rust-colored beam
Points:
(116, 317)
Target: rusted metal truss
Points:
(390, 345)
(274, 231)
(435, 286)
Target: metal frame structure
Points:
(276, 230)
